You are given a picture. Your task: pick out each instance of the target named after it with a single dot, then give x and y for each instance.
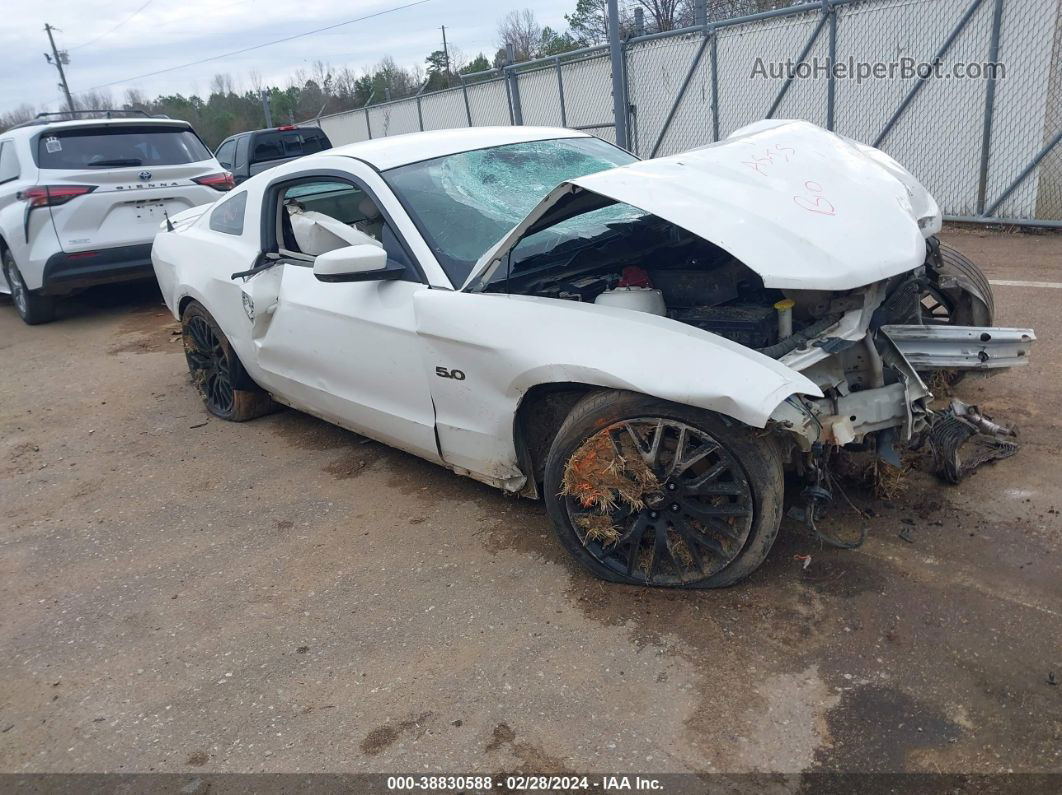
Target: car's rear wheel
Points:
(648, 492)
(31, 306)
(226, 389)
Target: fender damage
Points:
(535, 341)
(834, 231)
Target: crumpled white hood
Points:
(802, 207)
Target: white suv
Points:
(81, 201)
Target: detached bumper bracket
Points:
(961, 347)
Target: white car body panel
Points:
(509, 344)
(123, 210)
(804, 208)
(379, 357)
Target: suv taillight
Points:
(222, 181)
(53, 195)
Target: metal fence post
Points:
(1025, 172)
(619, 88)
(560, 92)
(799, 60)
(681, 95)
(508, 94)
(512, 86)
(990, 101)
(266, 109)
(831, 78)
(714, 52)
(920, 84)
(368, 125)
(700, 12)
(464, 93)
(420, 115)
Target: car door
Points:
(345, 351)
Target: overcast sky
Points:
(171, 32)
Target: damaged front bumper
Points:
(874, 396)
(961, 347)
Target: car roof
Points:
(400, 150)
(36, 129)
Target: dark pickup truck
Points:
(248, 153)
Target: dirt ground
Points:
(180, 593)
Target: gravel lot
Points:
(179, 593)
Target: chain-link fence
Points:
(967, 94)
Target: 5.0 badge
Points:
(457, 375)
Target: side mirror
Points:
(363, 262)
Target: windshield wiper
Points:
(128, 161)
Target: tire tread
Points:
(247, 404)
(756, 452)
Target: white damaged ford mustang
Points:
(647, 345)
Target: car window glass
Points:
(575, 233)
(240, 162)
(228, 216)
(278, 144)
(115, 147)
(317, 217)
(225, 152)
(464, 203)
(8, 162)
(314, 141)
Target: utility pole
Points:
(60, 59)
(446, 55)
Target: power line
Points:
(109, 32)
(260, 46)
(156, 25)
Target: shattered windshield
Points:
(574, 233)
(465, 203)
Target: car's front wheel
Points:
(226, 389)
(32, 307)
(958, 292)
(648, 492)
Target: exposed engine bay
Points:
(866, 349)
(652, 266)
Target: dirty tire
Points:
(691, 528)
(218, 375)
(32, 307)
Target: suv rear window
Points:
(277, 144)
(115, 147)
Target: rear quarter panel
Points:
(196, 262)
